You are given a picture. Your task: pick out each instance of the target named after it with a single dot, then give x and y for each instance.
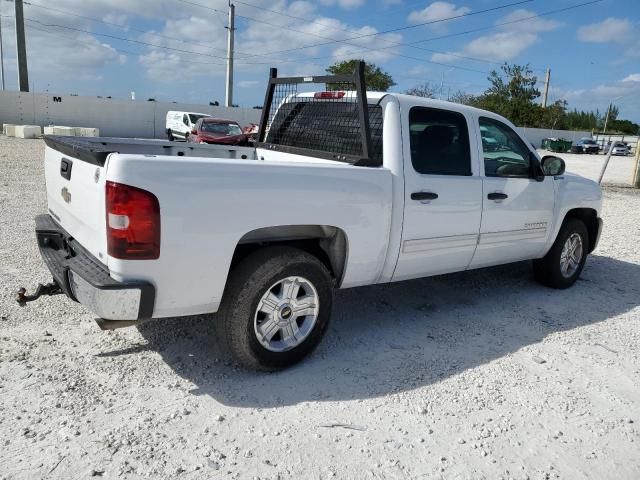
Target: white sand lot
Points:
(479, 375)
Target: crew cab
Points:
(343, 189)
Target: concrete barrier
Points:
(113, 117)
(10, 130)
(88, 132)
(5, 126)
(28, 131)
(64, 131)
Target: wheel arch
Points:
(589, 217)
(327, 243)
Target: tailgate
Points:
(76, 193)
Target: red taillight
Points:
(329, 95)
(133, 223)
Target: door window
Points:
(439, 142)
(505, 154)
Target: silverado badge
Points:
(66, 194)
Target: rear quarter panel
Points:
(208, 205)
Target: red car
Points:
(216, 130)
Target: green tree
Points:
(512, 94)
(425, 90)
(375, 78)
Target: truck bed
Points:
(95, 150)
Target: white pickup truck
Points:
(337, 194)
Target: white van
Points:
(180, 124)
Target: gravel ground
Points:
(477, 375)
(619, 171)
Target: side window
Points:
(505, 154)
(439, 142)
(185, 119)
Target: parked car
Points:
(585, 145)
(216, 130)
(558, 145)
(263, 235)
(180, 124)
(619, 148)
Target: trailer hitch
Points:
(49, 289)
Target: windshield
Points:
(194, 118)
(229, 129)
(589, 142)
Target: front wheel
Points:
(562, 265)
(276, 308)
(170, 135)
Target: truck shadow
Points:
(391, 338)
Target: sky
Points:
(175, 50)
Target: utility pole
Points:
(545, 96)
(23, 75)
(231, 27)
(1, 51)
(606, 120)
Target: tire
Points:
(186, 137)
(268, 272)
(170, 135)
(549, 269)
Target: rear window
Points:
(221, 128)
(331, 127)
(194, 118)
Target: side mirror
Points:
(552, 166)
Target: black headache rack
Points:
(335, 123)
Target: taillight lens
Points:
(133, 223)
(329, 95)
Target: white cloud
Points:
(634, 77)
(625, 94)
(348, 4)
(437, 11)
(610, 30)
(527, 21)
(506, 44)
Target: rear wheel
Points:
(561, 267)
(276, 308)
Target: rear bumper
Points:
(84, 279)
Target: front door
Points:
(443, 193)
(517, 210)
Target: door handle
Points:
(424, 196)
(497, 196)
(65, 168)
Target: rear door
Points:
(517, 209)
(76, 195)
(443, 193)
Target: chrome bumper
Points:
(84, 279)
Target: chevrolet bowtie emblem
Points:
(66, 194)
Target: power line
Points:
(116, 25)
(359, 36)
(409, 44)
(510, 22)
(546, 13)
(125, 39)
(391, 43)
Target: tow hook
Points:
(49, 289)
